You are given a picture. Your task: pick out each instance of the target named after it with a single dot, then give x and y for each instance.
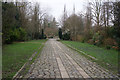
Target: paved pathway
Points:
(58, 61)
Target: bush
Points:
(90, 41)
(83, 41)
(36, 36)
(12, 35)
(15, 35)
(45, 36)
(80, 38)
(97, 39)
(109, 41)
(115, 47)
(22, 34)
(108, 47)
(66, 36)
(42, 36)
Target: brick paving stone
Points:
(91, 68)
(58, 61)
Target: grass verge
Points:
(15, 55)
(106, 58)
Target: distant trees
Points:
(23, 21)
(51, 26)
(99, 25)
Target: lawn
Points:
(15, 55)
(106, 58)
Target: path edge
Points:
(90, 57)
(21, 70)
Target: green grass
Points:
(15, 55)
(106, 58)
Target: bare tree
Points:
(107, 12)
(88, 21)
(64, 18)
(96, 12)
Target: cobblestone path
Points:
(58, 61)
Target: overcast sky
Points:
(56, 7)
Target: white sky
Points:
(56, 7)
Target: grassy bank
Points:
(106, 58)
(16, 54)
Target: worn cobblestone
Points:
(91, 68)
(46, 65)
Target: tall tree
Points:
(117, 22)
(9, 21)
(96, 10)
(60, 33)
(64, 18)
(88, 22)
(35, 21)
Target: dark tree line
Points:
(23, 21)
(11, 24)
